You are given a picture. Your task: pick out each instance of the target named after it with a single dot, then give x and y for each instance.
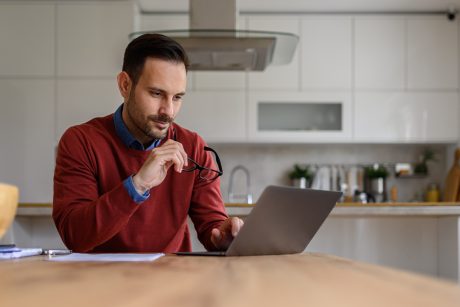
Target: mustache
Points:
(161, 118)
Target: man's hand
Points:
(155, 168)
(222, 237)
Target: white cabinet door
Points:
(406, 117)
(78, 101)
(27, 124)
(156, 22)
(303, 117)
(219, 80)
(218, 117)
(432, 53)
(326, 52)
(92, 37)
(27, 36)
(379, 53)
(276, 77)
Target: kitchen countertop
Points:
(375, 209)
(341, 209)
(308, 279)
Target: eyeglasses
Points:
(204, 173)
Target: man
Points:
(119, 182)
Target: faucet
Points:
(248, 196)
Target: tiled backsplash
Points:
(271, 163)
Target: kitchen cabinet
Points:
(423, 238)
(218, 116)
(326, 53)
(406, 117)
(27, 36)
(91, 37)
(432, 53)
(78, 101)
(340, 59)
(27, 124)
(300, 117)
(153, 22)
(219, 80)
(276, 77)
(379, 53)
(406, 79)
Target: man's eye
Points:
(178, 97)
(157, 93)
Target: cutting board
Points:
(452, 184)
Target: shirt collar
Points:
(126, 137)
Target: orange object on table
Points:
(9, 196)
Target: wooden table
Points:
(288, 280)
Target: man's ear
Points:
(124, 84)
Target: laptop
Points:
(283, 221)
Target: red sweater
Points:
(93, 211)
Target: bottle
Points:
(394, 194)
(432, 193)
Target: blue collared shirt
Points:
(128, 139)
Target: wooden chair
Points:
(9, 196)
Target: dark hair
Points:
(151, 45)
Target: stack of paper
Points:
(107, 257)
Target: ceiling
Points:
(313, 5)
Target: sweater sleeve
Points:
(83, 218)
(207, 209)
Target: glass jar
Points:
(432, 193)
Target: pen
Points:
(7, 246)
(56, 252)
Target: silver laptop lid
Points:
(284, 221)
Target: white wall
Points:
(58, 66)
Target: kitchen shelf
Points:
(414, 176)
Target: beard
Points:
(147, 124)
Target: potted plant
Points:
(421, 167)
(376, 171)
(376, 181)
(300, 176)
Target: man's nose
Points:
(167, 107)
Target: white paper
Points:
(107, 257)
(24, 252)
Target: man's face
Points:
(156, 99)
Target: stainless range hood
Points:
(213, 43)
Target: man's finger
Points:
(216, 233)
(171, 155)
(177, 146)
(183, 153)
(236, 226)
(174, 149)
(179, 161)
(216, 237)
